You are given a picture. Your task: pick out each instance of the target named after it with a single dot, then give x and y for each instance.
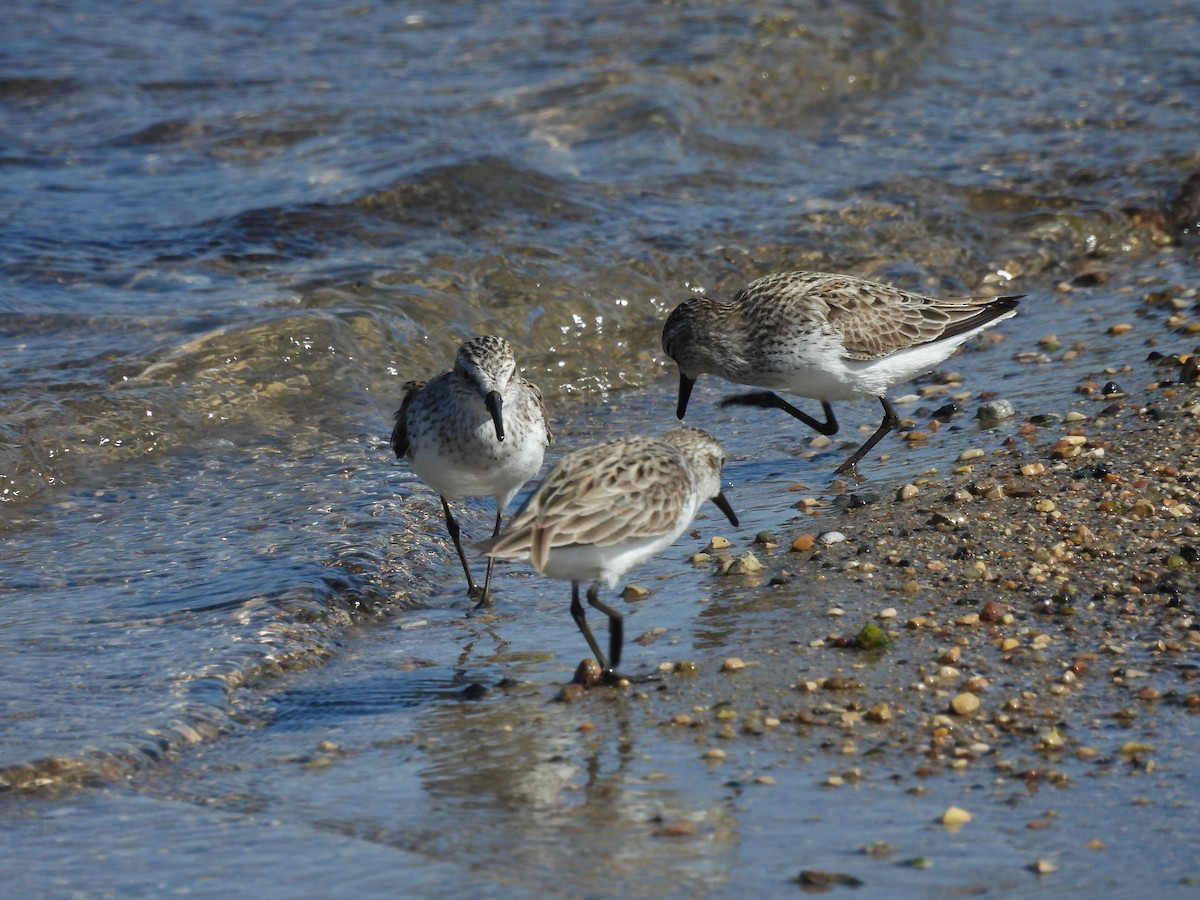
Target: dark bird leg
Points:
(616, 627)
(485, 599)
(452, 527)
(890, 421)
(580, 618)
(769, 400)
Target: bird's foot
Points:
(483, 599)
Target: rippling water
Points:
(232, 232)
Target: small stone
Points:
(872, 637)
(766, 540)
(992, 612)
(570, 693)
(968, 455)
(633, 593)
(907, 492)
(823, 881)
(678, 829)
(964, 704)
(975, 684)
(714, 755)
(1120, 329)
(1043, 867)
(831, 537)
(889, 613)
(804, 542)
(1009, 644)
(880, 712)
(955, 817)
(719, 543)
(994, 412)
(588, 673)
(732, 664)
(746, 564)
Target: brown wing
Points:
(603, 495)
(400, 430)
(876, 320)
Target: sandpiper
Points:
(478, 430)
(826, 337)
(605, 509)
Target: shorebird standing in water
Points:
(605, 509)
(825, 337)
(478, 430)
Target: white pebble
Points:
(831, 537)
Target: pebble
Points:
(719, 543)
(831, 537)
(992, 612)
(907, 492)
(733, 664)
(994, 411)
(746, 564)
(964, 704)
(955, 816)
(968, 455)
(1120, 329)
(804, 542)
(880, 712)
(889, 613)
(633, 593)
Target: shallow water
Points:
(233, 234)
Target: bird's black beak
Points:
(495, 405)
(685, 391)
(723, 506)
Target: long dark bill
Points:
(723, 506)
(495, 405)
(685, 391)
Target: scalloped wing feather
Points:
(602, 496)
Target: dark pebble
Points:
(945, 413)
(855, 501)
(819, 879)
(1111, 388)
